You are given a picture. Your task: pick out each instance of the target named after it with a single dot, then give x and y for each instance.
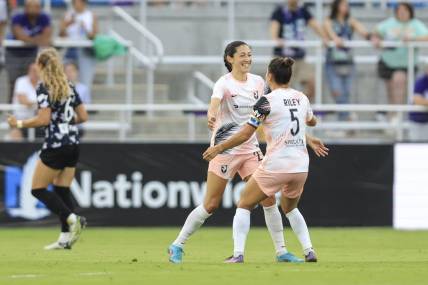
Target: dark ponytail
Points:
(281, 69)
(230, 50)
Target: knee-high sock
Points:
(193, 222)
(298, 224)
(65, 194)
(275, 226)
(241, 227)
(52, 202)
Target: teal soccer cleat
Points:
(289, 257)
(175, 254)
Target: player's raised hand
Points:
(211, 122)
(12, 121)
(318, 147)
(210, 153)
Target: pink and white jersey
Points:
(284, 114)
(237, 102)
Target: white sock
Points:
(71, 219)
(298, 224)
(241, 227)
(64, 237)
(193, 222)
(274, 224)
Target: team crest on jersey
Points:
(223, 169)
(256, 95)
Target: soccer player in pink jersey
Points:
(284, 112)
(232, 101)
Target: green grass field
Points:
(138, 256)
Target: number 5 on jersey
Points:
(294, 118)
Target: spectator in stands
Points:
(25, 99)
(288, 22)
(80, 24)
(392, 66)
(419, 126)
(33, 27)
(3, 22)
(340, 27)
(72, 72)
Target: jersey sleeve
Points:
(260, 111)
(218, 90)
(421, 29)
(42, 97)
(306, 14)
(420, 86)
(309, 112)
(45, 20)
(16, 20)
(19, 87)
(277, 15)
(382, 27)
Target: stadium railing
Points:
(123, 126)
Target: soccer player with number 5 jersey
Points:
(233, 98)
(284, 113)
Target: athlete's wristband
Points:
(19, 124)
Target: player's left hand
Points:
(318, 147)
(12, 121)
(211, 152)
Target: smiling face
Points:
(241, 59)
(403, 13)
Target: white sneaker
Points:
(77, 224)
(63, 242)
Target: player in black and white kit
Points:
(59, 111)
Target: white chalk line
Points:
(28, 276)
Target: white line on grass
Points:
(25, 276)
(93, 273)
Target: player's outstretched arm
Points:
(317, 146)
(42, 119)
(242, 136)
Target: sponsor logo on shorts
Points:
(259, 155)
(223, 169)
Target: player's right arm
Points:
(311, 119)
(81, 114)
(212, 112)
(42, 119)
(216, 97)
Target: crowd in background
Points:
(289, 21)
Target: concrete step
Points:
(116, 94)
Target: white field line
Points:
(25, 276)
(28, 276)
(93, 273)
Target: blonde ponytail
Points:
(52, 74)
